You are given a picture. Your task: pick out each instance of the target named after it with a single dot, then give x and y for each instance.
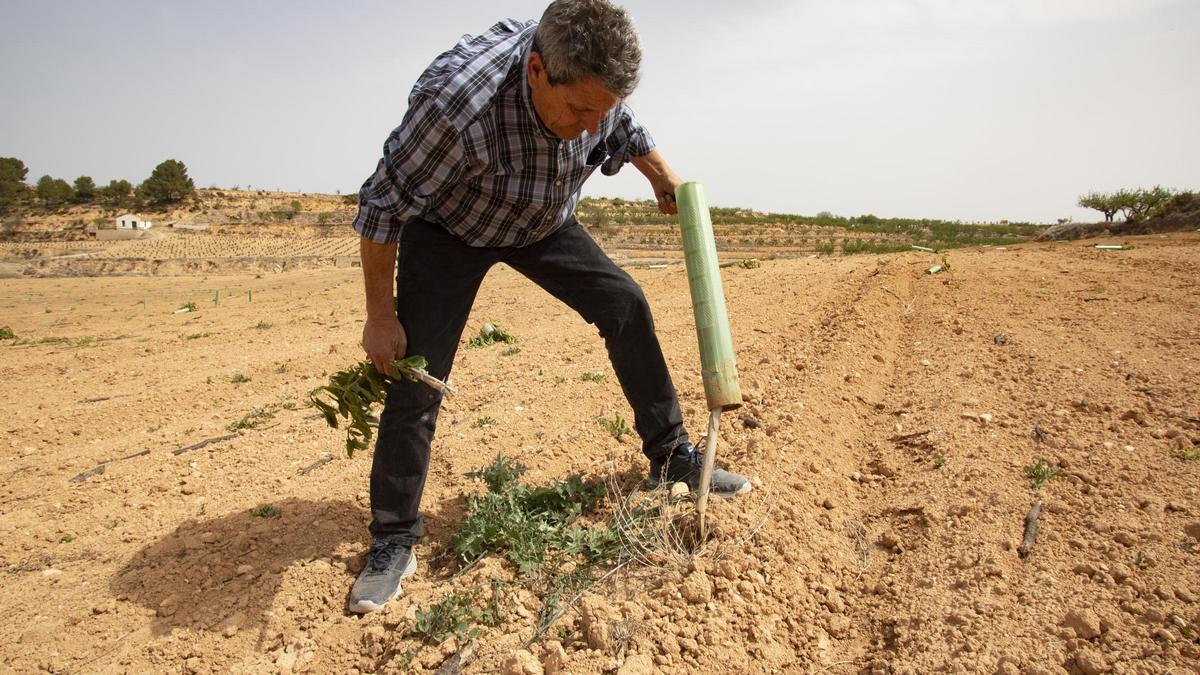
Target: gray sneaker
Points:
(685, 464)
(388, 562)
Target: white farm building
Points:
(131, 222)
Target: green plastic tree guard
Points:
(718, 366)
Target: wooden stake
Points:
(710, 457)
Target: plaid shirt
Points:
(472, 155)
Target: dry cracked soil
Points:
(897, 415)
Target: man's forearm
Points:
(652, 166)
(379, 273)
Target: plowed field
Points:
(899, 412)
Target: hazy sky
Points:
(957, 109)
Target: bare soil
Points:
(899, 411)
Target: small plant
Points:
(185, 307)
(593, 376)
(939, 462)
(945, 263)
(281, 368)
(1184, 454)
(262, 325)
(239, 378)
(1039, 473)
(6, 333)
(66, 539)
(750, 263)
(251, 420)
(490, 335)
(50, 341)
(265, 511)
(615, 427)
(457, 615)
(196, 336)
(86, 341)
(353, 391)
(511, 351)
(484, 421)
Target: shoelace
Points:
(382, 551)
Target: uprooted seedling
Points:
(351, 393)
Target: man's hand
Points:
(662, 179)
(384, 341)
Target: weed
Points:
(510, 351)
(490, 335)
(251, 420)
(939, 462)
(750, 263)
(1040, 473)
(50, 341)
(238, 378)
(615, 427)
(945, 263)
(262, 325)
(66, 539)
(196, 336)
(6, 333)
(186, 307)
(1184, 454)
(593, 376)
(281, 368)
(265, 511)
(484, 421)
(457, 615)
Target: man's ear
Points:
(537, 69)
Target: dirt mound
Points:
(903, 425)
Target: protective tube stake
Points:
(718, 367)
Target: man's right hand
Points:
(384, 341)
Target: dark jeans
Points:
(437, 278)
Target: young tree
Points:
(12, 181)
(168, 183)
(1104, 203)
(85, 189)
(54, 191)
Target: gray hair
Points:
(589, 38)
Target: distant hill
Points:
(617, 224)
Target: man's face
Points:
(567, 109)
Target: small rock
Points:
(521, 663)
(679, 490)
(926, 363)
(208, 537)
(1084, 622)
(637, 664)
(986, 418)
(243, 570)
(1125, 539)
(828, 503)
(555, 660)
(1184, 595)
(168, 606)
(891, 541)
(1163, 634)
(696, 588)
(1090, 662)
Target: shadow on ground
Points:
(207, 571)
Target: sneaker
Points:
(388, 563)
(685, 465)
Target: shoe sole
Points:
(366, 606)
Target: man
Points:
(486, 167)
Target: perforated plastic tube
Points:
(717, 363)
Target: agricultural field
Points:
(170, 501)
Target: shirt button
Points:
(558, 182)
